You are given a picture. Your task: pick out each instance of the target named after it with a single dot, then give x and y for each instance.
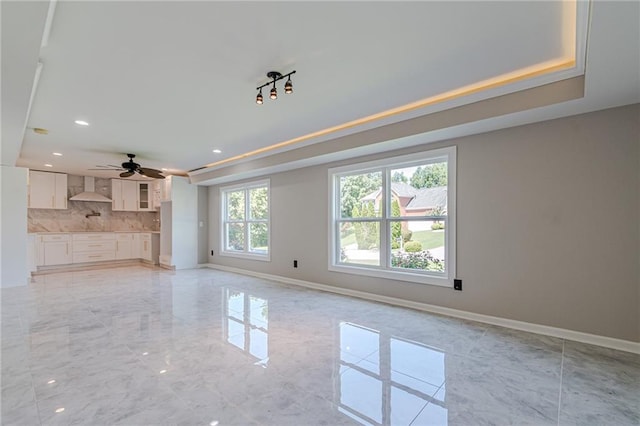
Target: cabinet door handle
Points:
(117, 245)
(67, 248)
(53, 202)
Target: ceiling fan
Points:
(130, 168)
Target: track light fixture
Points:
(273, 93)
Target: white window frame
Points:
(246, 187)
(444, 279)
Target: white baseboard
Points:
(592, 339)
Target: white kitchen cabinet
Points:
(53, 249)
(136, 251)
(145, 246)
(94, 247)
(47, 190)
(124, 195)
(157, 187)
(145, 196)
(165, 189)
(124, 246)
(150, 247)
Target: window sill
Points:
(393, 275)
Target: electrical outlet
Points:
(457, 285)
(295, 263)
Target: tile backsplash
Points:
(74, 219)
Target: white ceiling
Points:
(170, 81)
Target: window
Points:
(245, 220)
(395, 218)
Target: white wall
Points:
(14, 269)
(184, 223)
(548, 225)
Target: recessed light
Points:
(48, 165)
(163, 371)
(60, 410)
(217, 151)
(81, 122)
(50, 382)
(57, 154)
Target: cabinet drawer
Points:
(86, 246)
(94, 237)
(124, 236)
(55, 237)
(93, 256)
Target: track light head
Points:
(273, 93)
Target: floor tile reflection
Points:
(138, 346)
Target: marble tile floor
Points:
(142, 346)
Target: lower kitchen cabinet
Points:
(145, 246)
(94, 247)
(54, 249)
(86, 247)
(124, 246)
(150, 247)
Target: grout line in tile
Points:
(425, 405)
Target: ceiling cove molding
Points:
(576, 16)
(394, 136)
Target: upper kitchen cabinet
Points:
(124, 194)
(145, 196)
(47, 190)
(132, 196)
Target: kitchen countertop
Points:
(94, 232)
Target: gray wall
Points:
(548, 225)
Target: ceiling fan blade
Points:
(152, 173)
(126, 174)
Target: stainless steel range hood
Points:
(89, 193)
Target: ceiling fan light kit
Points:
(273, 93)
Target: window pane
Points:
(258, 238)
(235, 305)
(361, 195)
(360, 243)
(235, 236)
(258, 205)
(418, 245)
(235, 205)
(419, 190)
